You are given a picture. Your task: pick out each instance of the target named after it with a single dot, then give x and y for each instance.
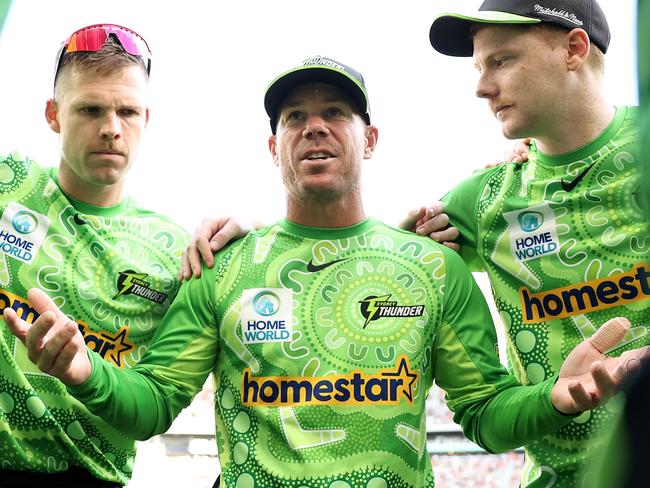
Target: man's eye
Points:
(128, 112)
(333, 112)
(89, 110)
(295, 115)
(499, 62)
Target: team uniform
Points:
(564, 241)
(110, 269)
(324, 344)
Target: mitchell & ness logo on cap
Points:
(563, 14)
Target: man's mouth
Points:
(500, 111)
(318, 156)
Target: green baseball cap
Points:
(317, 69)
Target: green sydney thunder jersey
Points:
(564, 241)
(324, 344)
(112, 270)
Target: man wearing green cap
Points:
(563, 237)
(325, 331)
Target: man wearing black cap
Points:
(325, 331)
(563, 237)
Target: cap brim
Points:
(450, 33)
(283, 84)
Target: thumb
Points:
(17, 326)
(227, 233)
(610, 333)
(42, 302)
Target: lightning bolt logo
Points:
(371, 309)
(126, 281)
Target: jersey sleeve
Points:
(143, 401)
(461, 205)
(493, 409)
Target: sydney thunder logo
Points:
(374, 308)
(131, 283)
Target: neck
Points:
(342, 212)
(97, 195)
(578, 124)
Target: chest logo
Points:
(374, 308)
(266, 315)
(533, 232)
(22, 232)
(131, 283)
(570, 185)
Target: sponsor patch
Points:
(22, 232)
(388, 386)
(266, 315)
(533, 232)
(590, 296)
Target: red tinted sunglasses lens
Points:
(94, 37)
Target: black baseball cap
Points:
(317, 69)
(450, 33)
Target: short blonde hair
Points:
(110, 58)
(552, 33)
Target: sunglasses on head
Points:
(93, 38)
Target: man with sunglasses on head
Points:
(325, 331)
(563, 236)
(109, 264)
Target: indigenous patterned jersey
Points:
(324, 344)
(564, 240)
(113, 271)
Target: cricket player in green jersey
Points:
(563, 237)
(326, 330)
(110, 265)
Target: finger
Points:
(204, 247)
(452, 245)
(230, 231)
(194, 258)
(435, 224)
(411, 219)
(37, 332)
(64, 360)
(447, 235)
(605, 384)
(610, 333)
(434, 209)
(184, 273)
(59, 337)
(582, 400)
(42, 302)
(17, 326)
(629, 364)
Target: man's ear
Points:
(372, 135)
(577, 47)
(52, 115)
(273, 149)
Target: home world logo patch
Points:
(375, 308)
(533, 232)
(131, 283)
(22, 231)
(266, 315)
